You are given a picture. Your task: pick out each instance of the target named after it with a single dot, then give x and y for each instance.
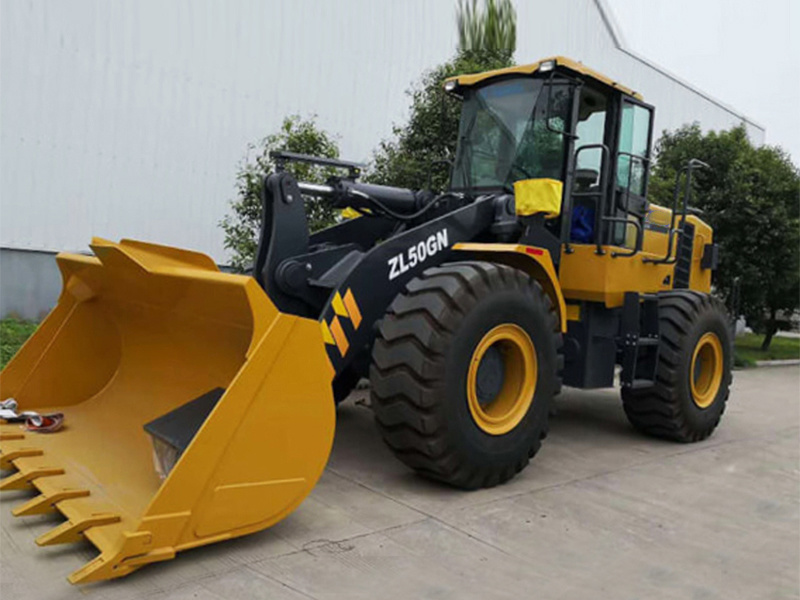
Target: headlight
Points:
(547, 65)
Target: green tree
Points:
(489, 31)
(243, 225)
(751, 197)
(487, 40)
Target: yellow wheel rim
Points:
(508, 407)
(705, 375)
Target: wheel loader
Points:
(199, 405)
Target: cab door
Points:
(632, 160)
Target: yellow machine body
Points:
(586, 275)
(534, 261)
(138, 331)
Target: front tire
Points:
(693, 379)
(465, 364)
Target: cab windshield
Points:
(504, 134)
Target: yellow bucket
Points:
(139, 331)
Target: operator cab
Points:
(558, 120)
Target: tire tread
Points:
(409, 351)
(657, 410)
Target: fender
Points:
(534, 261)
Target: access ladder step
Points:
(639, 384)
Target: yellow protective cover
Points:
(541, 195)
(138, 331)
(350, 213)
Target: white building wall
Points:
(129, 118)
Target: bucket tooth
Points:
(100, 568)
(7, 457)
(7, 436)
(46, 502)
(22, 480)
(72, 531)
(96, 570)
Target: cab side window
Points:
(591, 129)
(634, 150)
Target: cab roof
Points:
(557, 61)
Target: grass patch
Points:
(748, 349)
(13, 333)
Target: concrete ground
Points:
(600, 513)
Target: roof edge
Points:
(529, 69)
(616, 35)
(611, 24)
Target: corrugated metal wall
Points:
(128, 119)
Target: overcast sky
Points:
(746, 53)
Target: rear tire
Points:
(424, 361)
(694, 370)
